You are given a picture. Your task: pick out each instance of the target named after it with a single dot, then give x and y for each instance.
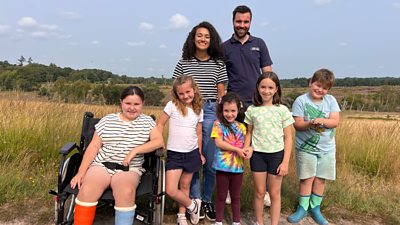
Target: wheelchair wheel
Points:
(159, 212)
(64, 204)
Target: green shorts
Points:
(312, 165)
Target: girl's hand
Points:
(248, 152)
(129, 157)
(241, 152)
(77, 180)
(283, 169)
(203, 159)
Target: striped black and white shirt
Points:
(207, 75)
(120, 137)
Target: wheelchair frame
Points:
(151, 187)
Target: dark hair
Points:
(276, 100)
(230, 97)
(132, 90)
(215, 49)
(324, 76)
(241, 9)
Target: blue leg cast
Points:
(124, 215)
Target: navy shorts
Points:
(187, 161)
(266, 162)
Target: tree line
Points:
(75, 86)
(100, 86)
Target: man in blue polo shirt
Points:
(246, 58)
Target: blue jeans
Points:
(208, 146)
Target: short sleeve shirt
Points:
(229, 161)
(244, 63)
(268, 123)
(207, 75)
(315, 140)
(182, 133)
(120, 137)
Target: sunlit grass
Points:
(368, 161)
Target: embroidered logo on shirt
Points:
(255, 49)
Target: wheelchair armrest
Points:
(67, 148)
(159, 152)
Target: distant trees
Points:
(103, 87)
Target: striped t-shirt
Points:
(120, 137)
(207, 75)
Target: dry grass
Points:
(368, 162)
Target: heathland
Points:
(32, 131)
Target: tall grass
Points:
(368, 159)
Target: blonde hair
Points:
(197, 103)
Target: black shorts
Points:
(189, 161)
(266, 162)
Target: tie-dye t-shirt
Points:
(229, 161)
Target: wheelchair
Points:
(150, 194)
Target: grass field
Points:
(368, 162)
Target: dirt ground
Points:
(106, 218)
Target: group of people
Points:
(214, 130)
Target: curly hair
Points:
(215, 50)
(230, 97)
(197, 103)
(276, 100)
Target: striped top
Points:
(207, 75)
(120, 137)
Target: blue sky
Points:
(353, 38)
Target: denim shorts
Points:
(266, 162)
(187, 161)
(316, 165)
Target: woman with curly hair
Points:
(202, 58)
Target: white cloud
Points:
(39, 34)
(94, 42)
(396, 5)
(70, 15)
(27, 22)
(146, 26)
(127, 59)
(163, 46)
(48, 27)
(178, 21)
(343, 44)
(322, 2)
(4, 29)
(136, 44)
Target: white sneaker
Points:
(195, 213)
(181, 220)
(267, 199)
(228, 199)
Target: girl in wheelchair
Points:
(114, 159)
(184, 156)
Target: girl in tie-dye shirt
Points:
(228, 160)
